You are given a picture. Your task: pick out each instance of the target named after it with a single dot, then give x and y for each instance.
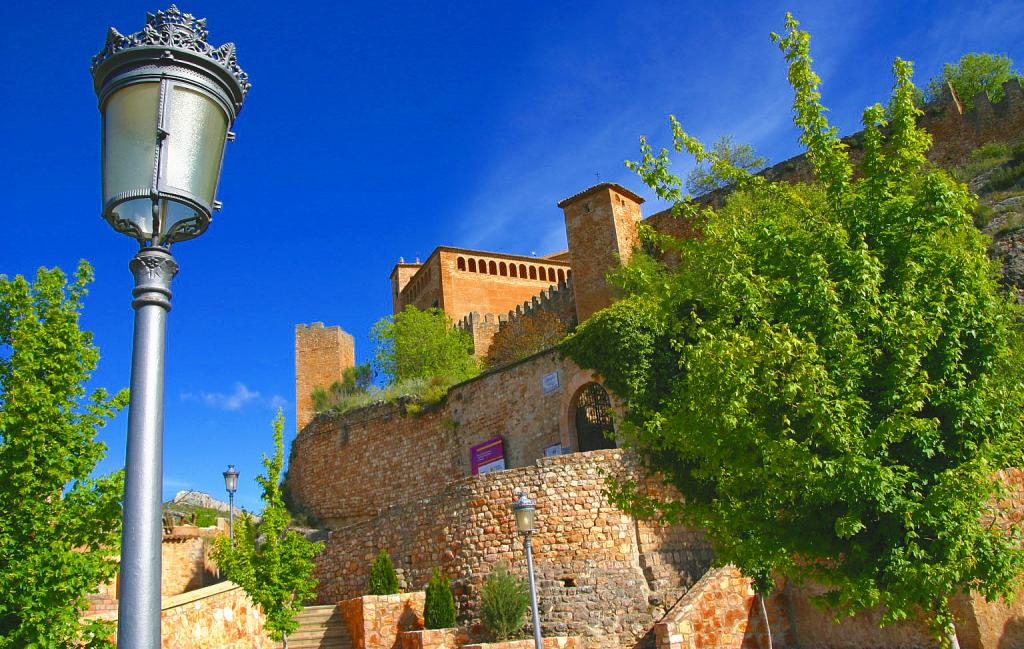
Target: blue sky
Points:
(377, 131)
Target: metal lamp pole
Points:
(167, 99)
(231, 484)
(524, 509)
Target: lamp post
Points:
(525, 509)
(231, 484)
(167, 100)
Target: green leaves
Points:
(829, 374)
(272, 563)
(414, 344)
(59, 529)
(972, 74)
(383, 578)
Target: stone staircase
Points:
(320, 627)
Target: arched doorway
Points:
(593, 418)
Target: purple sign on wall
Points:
(488, 456)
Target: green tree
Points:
(383, 578)
(272, 563)
(504, 600)
(354, 381)
(439, 607)
(59, 529)
(833, 376)
(414, 344)
(708, 175)
(972, 74)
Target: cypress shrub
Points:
(439, 608)
(504, 600)
(383, 579)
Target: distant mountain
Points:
(197, 499)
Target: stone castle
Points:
(434, 487)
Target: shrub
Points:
(383, 579)
(503, 603)
(439, 608)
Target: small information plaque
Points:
(550, 382)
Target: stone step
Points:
(318, 644)
(305, 632)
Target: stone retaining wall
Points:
(587, 552)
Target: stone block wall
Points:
(216, 617)
(322, 354)
(377, 621)
(186, 564)
(601, 228)
(587, 552)
(349, 466)
(722, 612)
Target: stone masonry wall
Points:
(349, 466)
(586, 551)
(216, 617)
(322, 354)
(722, 612)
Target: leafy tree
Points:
(354, 381)
(833, 377)
(383, 578)
(705, 177)
(273, 564)
(439, 607)
(59, 529)
(504, 600)
(525, 336)
(414, 344)
(972, 74)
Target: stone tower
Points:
(601, 228)
(322, 354)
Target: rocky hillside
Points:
(995, 172)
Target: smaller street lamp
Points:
(231, 484)
(525, 509)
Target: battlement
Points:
(322, 354)
(558, 299)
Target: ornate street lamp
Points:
(168, 100)
(525, 509)
(231, 484)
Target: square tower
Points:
(322, 354)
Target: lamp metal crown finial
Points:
(172, 28)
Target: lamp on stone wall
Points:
(231, 484)
(525, 510)
(167, 99)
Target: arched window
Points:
(482, 266)
(492, 268)
(592, 416)
(522, 270)
(533, 272)
(503, 269)
(551, 275)
(462, 263)
(512, 271)
(472, 265)
(561, 276)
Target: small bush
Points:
(504, 600)
(439, 607)
(383, 578)
(1005, 178)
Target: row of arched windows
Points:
(511, 269)
(416, 286)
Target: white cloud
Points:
(236, 399)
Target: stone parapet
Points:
(377, 621)
(432, 639)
